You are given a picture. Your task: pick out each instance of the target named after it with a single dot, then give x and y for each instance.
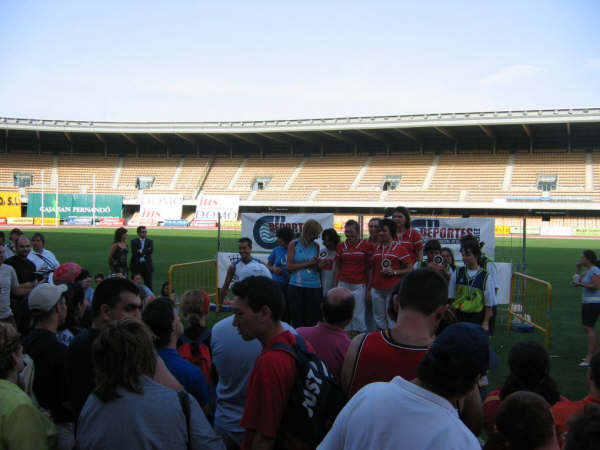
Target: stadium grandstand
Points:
(503, 163)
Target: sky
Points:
(182, 60)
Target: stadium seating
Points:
(448, 177)
(330, 172)
(413, 169)
(161, 168)
(473, 172)
(30, 163)
(570, 168)
(192, 173)
(74, 174)
(278, 168)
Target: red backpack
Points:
(198, 353)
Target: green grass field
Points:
(552, 260)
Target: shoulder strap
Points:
(298, 347)
(198, 341)
(282, 346)
(355, 365)
(184, 401)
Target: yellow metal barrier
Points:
(530, 302)
(194, 275)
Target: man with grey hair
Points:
(328, 338)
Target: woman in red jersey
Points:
(408, 237)
(390, 261)
(374, 230)
(351, 272)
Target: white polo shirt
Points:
(398, 414)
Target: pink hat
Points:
(66, 273)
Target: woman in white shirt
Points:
(589, 280)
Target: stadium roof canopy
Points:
(566, 129)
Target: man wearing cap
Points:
(421, 413)
(48, 309)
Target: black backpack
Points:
(316, 398)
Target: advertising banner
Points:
(502, 229)
(10, 204)
(503, 278)
(161, 207)
(225, 259)
(553, 230)
(175, 223)
(204, 224)
(580, 231)
(261, 228)
(2, 220)
(517, 229)
(111, 222)
(82, 221)
(19, 220)
(75, 205)
(47, 221)
(449, 231)
(208, 208)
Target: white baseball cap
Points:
(44, 296)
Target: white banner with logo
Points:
(449, 231)
(225, 259)
(503, 278)
(208, 208)
(262, 228)
(161, 206)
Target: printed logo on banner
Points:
(161, 206)
(262, 229)
(208, 207)
(265, 230)
(432, 229)
(10, 204)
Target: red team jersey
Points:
(412, 240)
(381, 359)
(353, 261)
(398, 257)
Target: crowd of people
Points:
(374, 343)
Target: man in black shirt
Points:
(49, 311)
(25, 270)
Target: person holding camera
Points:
(471, 289)
(390, 261)
(435, 260)
(44, 260)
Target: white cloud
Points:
(594, 63)
(510, 74)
